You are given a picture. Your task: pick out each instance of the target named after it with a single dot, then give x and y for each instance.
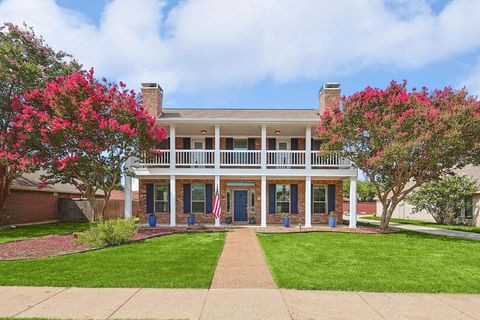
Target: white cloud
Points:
(209, 44)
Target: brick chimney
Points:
(329, 96)
(152, 95)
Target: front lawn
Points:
(427, 224)
(397, 262)
(175, 261)
(40, 230)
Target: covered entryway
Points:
(240, 205)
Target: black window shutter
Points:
(164, 145)
(271, 199)
(186, 143)
(209, 143)
(294, 198)
(294, 144)
(229, 143)
(168, 200)
(187, 191)
(251, 143)
(331, 198)
(150, 207)
(208, 197)
(272, 143)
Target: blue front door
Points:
(240, 205)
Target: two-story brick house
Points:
(263, 161)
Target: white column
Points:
(353, 202)
(172, 146)
(217, 187)
(308, 202)
(264, 147)
(217, 147)
(308, 148)
(128, 190)
(173, 200)
(264, 202)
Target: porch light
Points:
(277, 132)
(203, 132)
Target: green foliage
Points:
(444, 198)
(365, 190)
(109, 232)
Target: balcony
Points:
(275, 159)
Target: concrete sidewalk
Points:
(85, 303)
(428, 230)
(242, 263)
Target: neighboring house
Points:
(404, 209)
(29, 204)
(263, 162)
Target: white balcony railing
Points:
(276, 159)
(286, 158)
(250, 158)
(330, 160)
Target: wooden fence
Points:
(76, 210)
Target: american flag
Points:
(217, 207)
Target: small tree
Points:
(402, 139)
(444, 198)
(365, 190)
(83, 131)
(26, 63)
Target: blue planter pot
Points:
(191, 220)
(332, 222)
(152, 221)
(286, 222)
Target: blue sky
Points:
(265, 54)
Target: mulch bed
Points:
(340, 228)
(55, 245)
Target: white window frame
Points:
(196, 201)
(289, 198)
(155, 197)
(240, 139)
(318, 201)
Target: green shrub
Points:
(109, 232)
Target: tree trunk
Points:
(93, 203)
(105, 202)
(5, 182)
(386, 216)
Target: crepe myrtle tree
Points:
(83, 131)
(26, 63)
(401, 139)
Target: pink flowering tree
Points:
(26, 63)
(401, 139)
(84, 130)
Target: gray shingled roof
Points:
(241, 114)
(30, 181)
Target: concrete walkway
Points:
(429, 230)
(85, 303)
(242, 263)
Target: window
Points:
(198, 198)
(240, 144)
(161, 198)
(319, 199)
(252, 200)
(229, 200)
(164, 145)
(468, 207)
(283, 198)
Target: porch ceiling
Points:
(237, 129)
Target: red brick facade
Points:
(255, 211)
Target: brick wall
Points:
(32, 206)
(369, 207)
(271, 218)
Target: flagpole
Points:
(217, 190)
